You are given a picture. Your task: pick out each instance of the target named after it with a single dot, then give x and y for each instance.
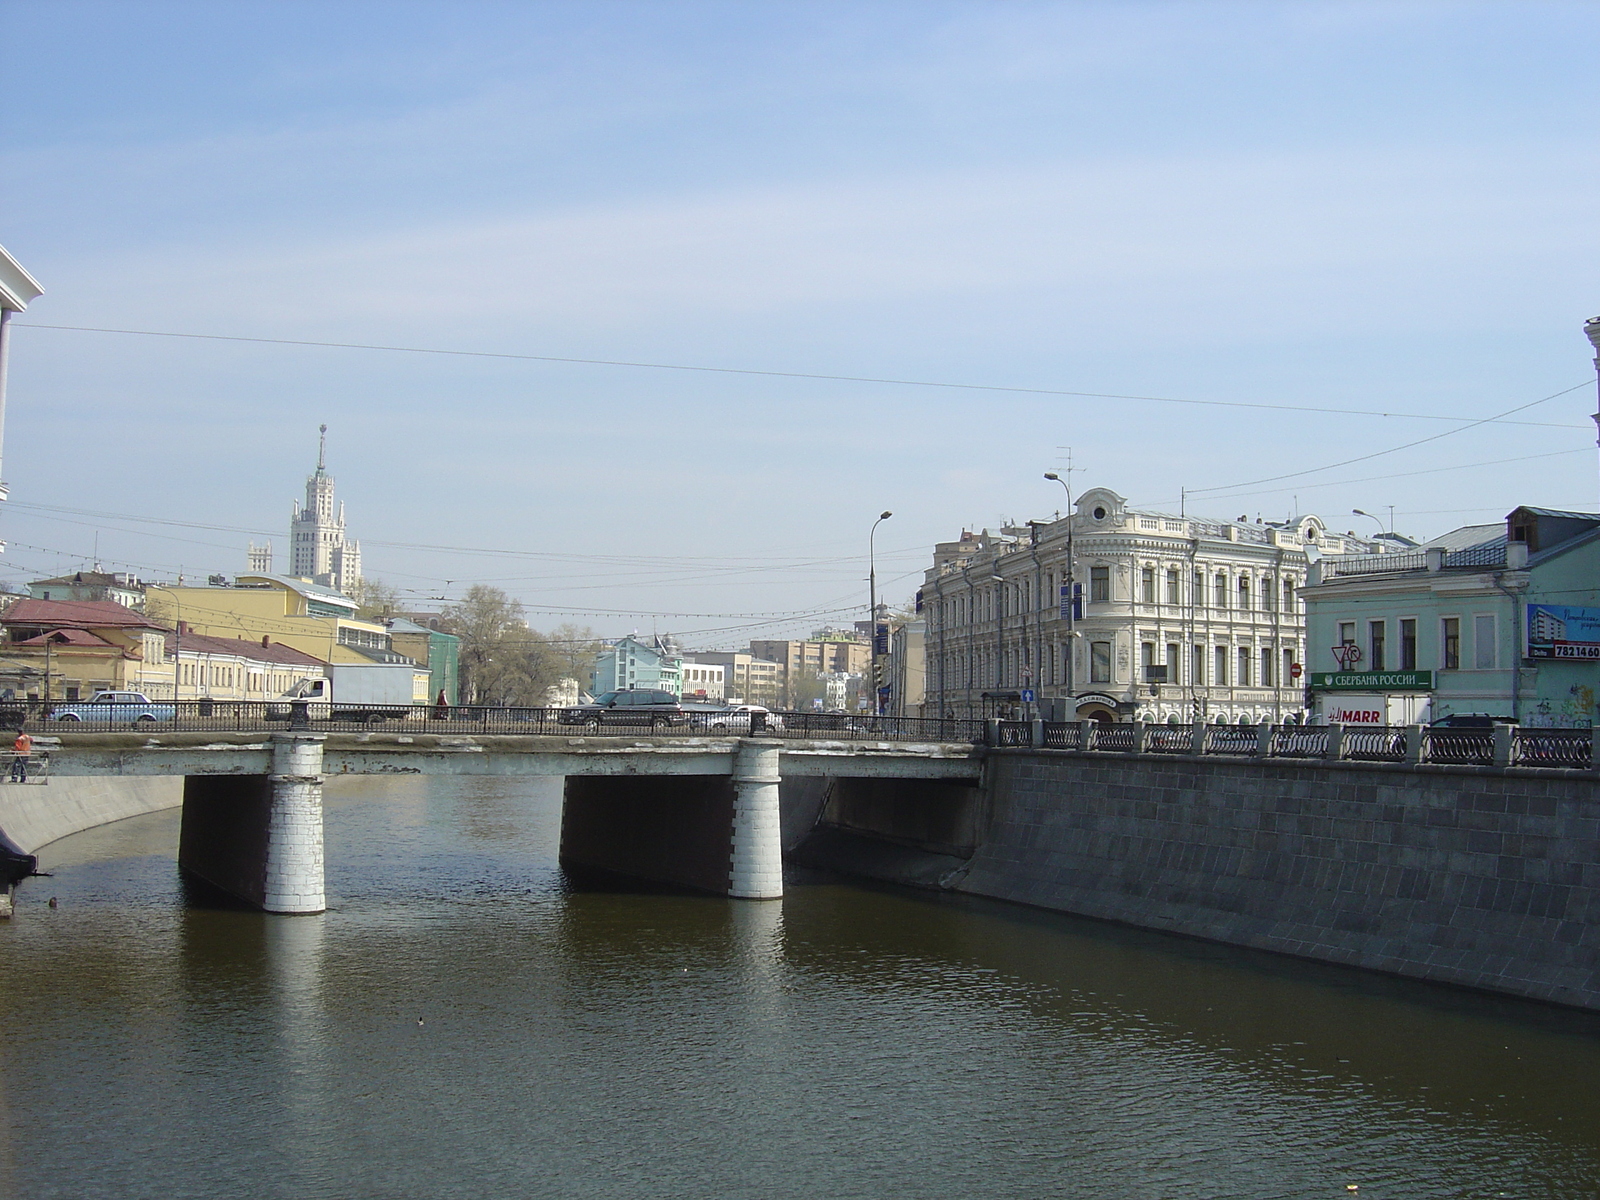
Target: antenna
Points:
(322, 447)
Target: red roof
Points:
(78, 614)
(272, 652)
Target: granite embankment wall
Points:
(34, 815)
(1473, 876)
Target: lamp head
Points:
(1052, 475)
(885, 516)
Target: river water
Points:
(465, 1022)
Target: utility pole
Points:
(872, 610)
(1071, 587)
(1592, 328)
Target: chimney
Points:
(1516, 556)
(183, 629)
(1434, 556)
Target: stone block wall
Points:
(1471, 876)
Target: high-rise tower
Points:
(318, 550)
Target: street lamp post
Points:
(872, 609)
(1361, 512)
(1072, 598)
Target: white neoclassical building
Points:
(1175, 618)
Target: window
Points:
(1222, 666)
(1347, 633)
(1147, 584)
(1147, 660)
(1288, 595)
(1099, 662)
(1375, 632)
(1288, 665)
(1244, 593)
(1483, 648)
(1408, 644)
(1172, 662)
(1174, 596)
(1244, 666)
(1198, 589)
(1450, 643)
(1197, 666)
(1099, 585)
(1220, 592)
(1266, 659)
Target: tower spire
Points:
(322, 448)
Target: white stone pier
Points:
(756, 870)
(294, 870)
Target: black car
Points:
(658, 710)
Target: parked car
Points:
(113, 707)
(658, 710)
(739, 716)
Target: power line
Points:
(1495, 462)
(655, 366)
(1393, 449)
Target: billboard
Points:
(1558, 631)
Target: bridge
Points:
(682, 806)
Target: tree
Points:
(495, 647)
(377, 599)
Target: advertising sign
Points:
(1356, 710)
(1557, 631)
(1372, 681)
(1374, 710)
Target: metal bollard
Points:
(991, 731)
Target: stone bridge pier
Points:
(259, 837)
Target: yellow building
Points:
(314, 620)
(68, 650)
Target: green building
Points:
(439, 652)
(1499, 621)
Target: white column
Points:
(756, 871)
(294, 882)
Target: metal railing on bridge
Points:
(1496, 746)
(254, 716)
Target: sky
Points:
(1208, 244)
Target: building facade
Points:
(314, 619)
(127, 590)
(318, 548)
(68, 650)
(801, 664)
(440, 652)
(702, 681)
(1497, 621)
(630, 663)
(745, 678)
(1170, 618)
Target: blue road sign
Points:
(1027, 695)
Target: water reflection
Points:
(463, 1021)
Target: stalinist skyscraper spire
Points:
(317, 547)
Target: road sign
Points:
(1296, 670)
(1027, 695)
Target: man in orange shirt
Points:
(22, 747)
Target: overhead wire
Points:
(767, 373)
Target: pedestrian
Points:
(21, 748)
